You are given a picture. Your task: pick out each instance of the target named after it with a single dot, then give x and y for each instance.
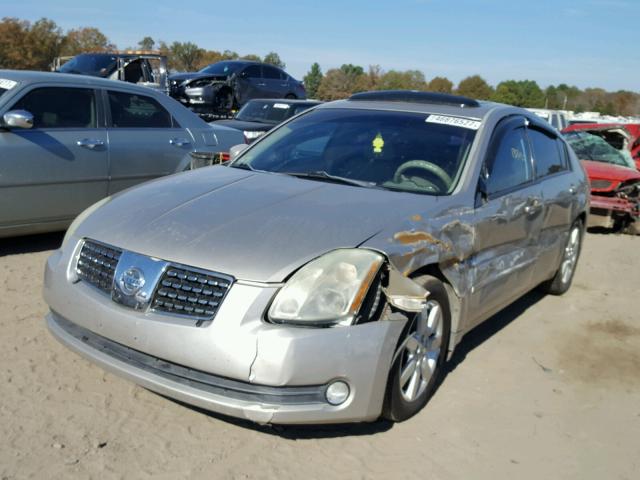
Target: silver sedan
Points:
(328, 272)
(67, 141)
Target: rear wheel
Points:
(420, 357)
(290, 96)
(561, 281)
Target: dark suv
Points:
(222, 87)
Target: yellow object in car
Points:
(378, 143)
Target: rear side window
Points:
(137, 111)
(60, 107)
(510, 166)
(546, 154)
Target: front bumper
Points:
(237, 365)
(605, 210)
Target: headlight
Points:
(601, 184)
(249, 135)
(80, 218)
(328, 290)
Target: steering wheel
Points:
(424, 165)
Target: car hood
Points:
(254, 226)
(609, 171)
(244, 126)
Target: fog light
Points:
(337, 393)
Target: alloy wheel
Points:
(570, 255)
(421, 351)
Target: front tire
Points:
(420, 357)
(561, 281)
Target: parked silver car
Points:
(326, 273)
(67, 141)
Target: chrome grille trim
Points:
(191, 292)
(181, 291)
(97, 263)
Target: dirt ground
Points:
(548, 388)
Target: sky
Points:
(587, 43)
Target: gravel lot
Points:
(548, 388)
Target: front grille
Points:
(185, 291)
(97, 265)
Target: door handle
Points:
(89, 143)
(179, 142)
(532, 206)
(262, 84)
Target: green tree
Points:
(274, 59)
(441, 85)
(407, 80)
(86, 39)
(312, 80)
(523, 93)
(351, 70)
(624, 102)
(24, 45)
(185, 56)
(230, 55)
(475, 87)
(13, 33)
(44, 43)
(252, 57)
(342, 82)
(147, 43)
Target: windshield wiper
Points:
(324, 176)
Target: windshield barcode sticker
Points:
(455, 121)
(7, 84)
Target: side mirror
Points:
(18, 119)
(237, 150)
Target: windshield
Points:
(409, 152)
(592, 147)
(221, 68)
(266, 111)
(87, 64)
(2, 91)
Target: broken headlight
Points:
(601, 184)
(328, 290)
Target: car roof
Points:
(245, 62)
(292, 101)
(423, 102)
(28, 76)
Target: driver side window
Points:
(510, 166)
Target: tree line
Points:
(33, 46)
(341, 82)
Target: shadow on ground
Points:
(471, 340)
(30, 243)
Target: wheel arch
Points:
(455, 302)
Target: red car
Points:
(621, 136)
(615, 188)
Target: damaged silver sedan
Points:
(328, 271)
